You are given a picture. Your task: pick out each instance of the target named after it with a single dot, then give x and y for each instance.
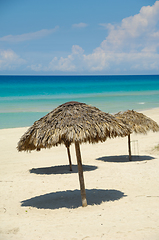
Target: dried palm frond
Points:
(138, 122)
(69, 123)
(72, 122)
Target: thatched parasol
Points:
(72, 122)
(138, 122)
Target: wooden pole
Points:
(80, 173)
(69, 158)
(129, 147)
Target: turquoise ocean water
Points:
(24, 99)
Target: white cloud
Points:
(155, 35)
(62, 64)
(134, 31)
(108, 26)
(77, 50)
(71, 63)
(9, 60)
(131, 45)
(80, 25)
(36, 68)
(28, 36)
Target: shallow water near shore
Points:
(24, 99)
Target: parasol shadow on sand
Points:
(63, 169)
(71, 199)
(76, 123)
(138, 122)
(124, 158)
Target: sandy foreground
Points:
(40, 197)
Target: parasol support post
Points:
(69, 157)
(80, 173)
(129, 147)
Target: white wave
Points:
(141, 103)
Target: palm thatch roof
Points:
(69, 123)
(138, 122)
(72, 122)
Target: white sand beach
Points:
(40, 197)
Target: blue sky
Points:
(48, 37)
